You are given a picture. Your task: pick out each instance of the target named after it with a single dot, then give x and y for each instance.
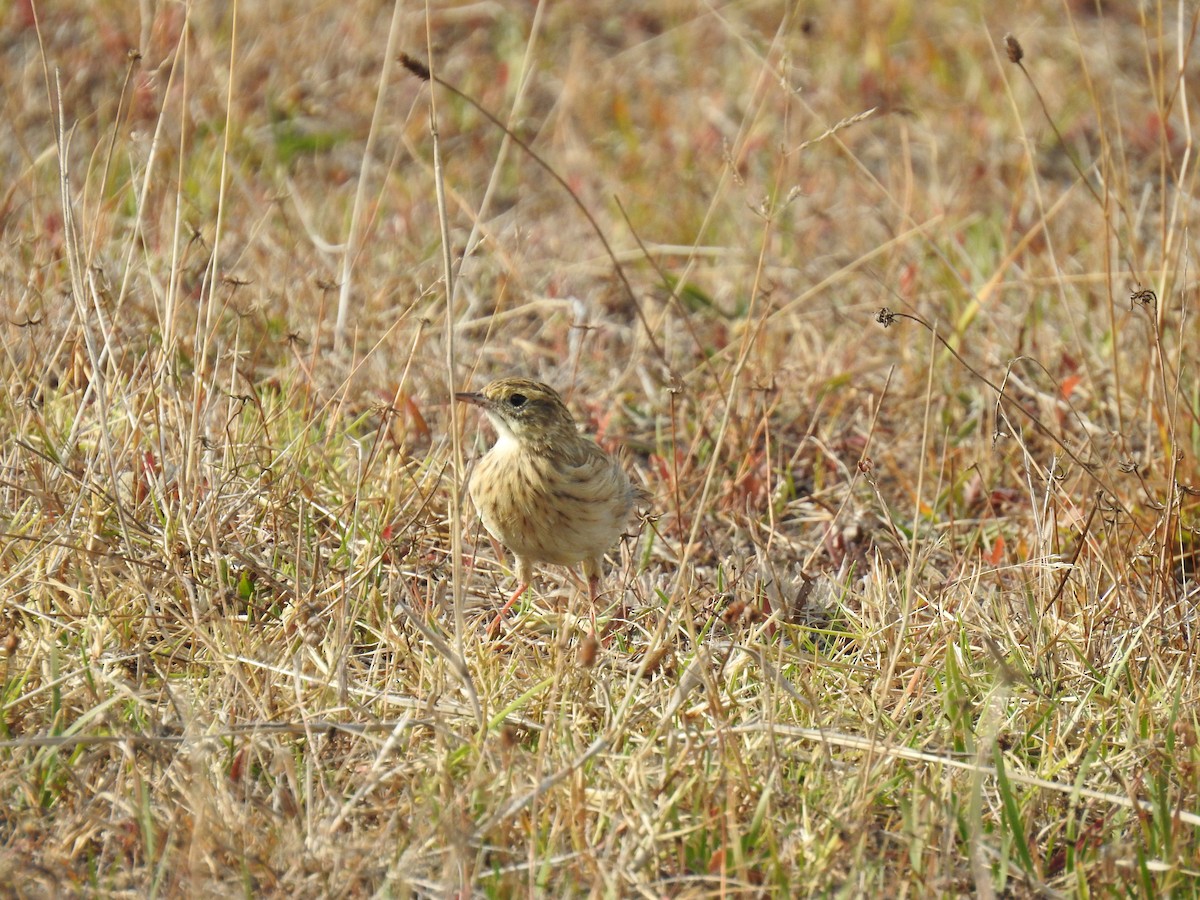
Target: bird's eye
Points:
(516, 401)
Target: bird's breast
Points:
(548, 512)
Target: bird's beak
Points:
(472, 398)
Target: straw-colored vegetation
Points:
(913, 609)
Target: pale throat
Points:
(506, 441)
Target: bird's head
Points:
(525, 411)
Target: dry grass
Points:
(914, 609)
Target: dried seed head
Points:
(1013, 48)
(588, 650)
(1145, 297)
(415, 66)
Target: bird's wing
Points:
(591, 474)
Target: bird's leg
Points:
(592, 571)
(622, 614)
(494, 628)
(524, 578)
(593, 586)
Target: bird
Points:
(546, 491)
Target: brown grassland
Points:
(913, 608)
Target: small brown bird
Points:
(546, 492)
